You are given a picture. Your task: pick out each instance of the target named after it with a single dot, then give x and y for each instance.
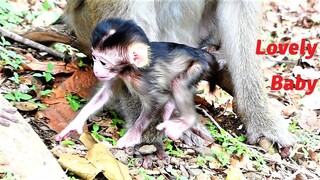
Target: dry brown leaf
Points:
(59, 115)
(101, 158)
(307, 22)
(81, 83)
(205, 98)
(87, 140)
(214, 164)
(235, 174)
(29, 80)
(234, 162)
(59, 111)
(289, 110)
(313, 155)
(301, 177)
(294, 98)
(32, 81)
(308, 119)
(2, 78)
(274, 5)
(306, 73)
(311, 101)
(202, 101)
(80, 166)
(25, 106)
(268, 73)
(58, 66)
(267, 145)
(246, 163)
(57, 96)
(277, 105)
(217, 148)
(272, 17)
(29, 58)
(220, 94)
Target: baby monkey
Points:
(162, 75)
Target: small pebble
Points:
(203, 176)
(122, 156)
(175, 161)
(147, 149)
(195, 172)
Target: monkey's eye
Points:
(103, 63)
(93, 58)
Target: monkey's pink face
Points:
(104, 65)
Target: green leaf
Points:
(95, 127)
(113, 114)
(113, 141)
(80, 64)
(5, 42)
(117, 121)
(231, 149)
(17, 95)
(37, 75)
(75, 97)
(83, 100)
(12, 63)
(10, 97)
(60, 47)
(209, 158)
(48, 77)
(74, 101)
(74, 105)
(161, 177)
(33, 88)
(50, 67)
(169, 146)
(81, 55)
(25, 96)
(293, 57)
(241, 138)
(41, 106)
(224, 144)
(15, 78)
(122, 132)
(45, 92)
(48, 4)
(67, 142)
(223, 132)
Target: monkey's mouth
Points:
(104, 78)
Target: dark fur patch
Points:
(126, 33)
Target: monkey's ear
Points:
(139, 54)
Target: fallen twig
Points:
(30, 43)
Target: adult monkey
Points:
(233, 25)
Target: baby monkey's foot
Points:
(147, 153)
(131, 138)
(174, 128)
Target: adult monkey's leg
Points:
(239, 25)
